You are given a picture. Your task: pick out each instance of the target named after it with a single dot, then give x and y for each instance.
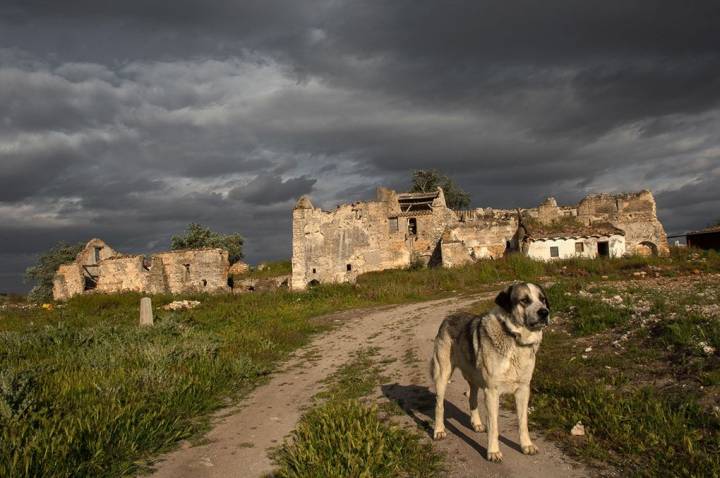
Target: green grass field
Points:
(85, 392)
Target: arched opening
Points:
(313, 283)
(646, 248)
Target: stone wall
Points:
(175, 272)
(68, 281)
(337, 246)
(195, 270)
(74, 278)
(483, 233)
(131, 274)
(634, 213)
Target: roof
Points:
(412, 202)
(707, 230)
(538, 231)
(418, 196)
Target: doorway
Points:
(603, 249)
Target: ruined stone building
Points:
(99, 268)
(398, 229)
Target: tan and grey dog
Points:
(495, 353)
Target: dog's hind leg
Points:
(442, 370)
(474, 412)
(492, 402)
(522, 397)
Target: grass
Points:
(348, 439)
(639, 427)
(85, 392)
(270, 269)
(344, 437)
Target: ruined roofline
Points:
(179, 251)
(122, 256)
(574, 236)
(418, 196)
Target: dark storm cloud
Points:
(271, 189)
(127, 120)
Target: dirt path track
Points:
(238, 444)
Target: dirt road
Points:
(238, 444)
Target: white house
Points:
(598, 240)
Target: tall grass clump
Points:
(346, 438)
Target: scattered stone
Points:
(181, 305)
(604, 277)
(589, 349)
(639, 274)
(238, 268)
(578, 430)
(706, 348)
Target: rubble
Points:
(578, 430)
(181, 305)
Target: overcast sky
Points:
(127, 120)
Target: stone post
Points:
(146, 315)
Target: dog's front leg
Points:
(492, 402)
(522, 397)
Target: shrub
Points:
(199, 237)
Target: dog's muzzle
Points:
(541, 320)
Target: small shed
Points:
(708, 238)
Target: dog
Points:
(496, 353)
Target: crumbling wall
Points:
(195, 270)
(95, 250)
(68, 281)
(483, 234)
(634, 213)
(339, 245)
(99, 268)
(131, 274)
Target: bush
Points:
(199, 237)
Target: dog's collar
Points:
(523, 338)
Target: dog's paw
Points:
(478, 427)
(439, 434)
(530, 449)
(494, 456)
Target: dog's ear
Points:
(504, 299)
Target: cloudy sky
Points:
(129, 119)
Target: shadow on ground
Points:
(418, 403)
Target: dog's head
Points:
(526, 304)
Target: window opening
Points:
(412, 226)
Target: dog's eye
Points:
(526, 301)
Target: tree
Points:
(43, 271)
(199, 237)
(428, 180)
